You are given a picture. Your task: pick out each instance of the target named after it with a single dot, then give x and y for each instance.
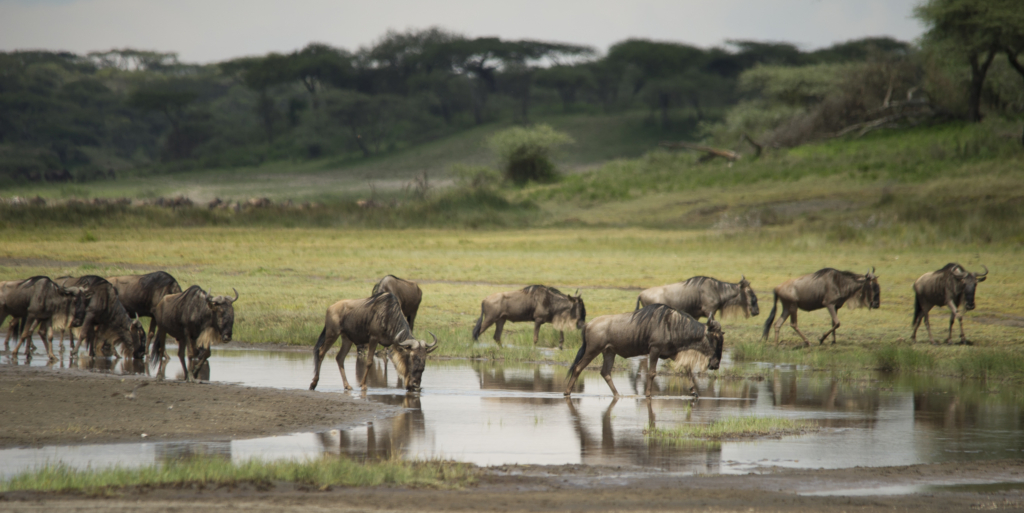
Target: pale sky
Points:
(214, 30)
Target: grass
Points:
(729, 428)
(320, 473)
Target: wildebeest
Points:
(141, 293)
(36, 300)
(371, 321)
(951, 286)
(104, 314)
(196, 320)
(535, 303)
(827, 288)
(702, 296)
(408, 293)
(658, 331)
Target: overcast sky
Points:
(214, 30)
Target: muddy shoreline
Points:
(43, 406)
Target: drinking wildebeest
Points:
(408, 293)
(104, 314)
(141, 293)
(371, 321)
(701, 296)
(951, 286)
(827, 288)
(657, 331)
(36, 300)
(535, 303)
(196, 320)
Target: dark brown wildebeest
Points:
(535, 303)
(141, 293)
(371, 321)
(658, 331)
(104, 314)
(951, 286)
(196, 320)
(827, 288)
(408, 293)
(35, 301)
(701, 296)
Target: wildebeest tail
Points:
(479, 322)
(579, 354)
(771, 317)
(319, 344)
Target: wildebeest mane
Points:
(376, 287)
(828, 270)
(530, 289)
(388, 311)
(160, 280)
(950, 267)
(654, 317)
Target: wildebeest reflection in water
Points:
(112, 365)
(383, 439)
(633, 450)
(497, 377)
(176, 451)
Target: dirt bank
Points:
(41, 406)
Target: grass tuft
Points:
(320, 473)
(730, 428)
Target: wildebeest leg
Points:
(88, 337)
(606, 370)
(159, 348)
(26, 337)
(498, 326)
(694, 390)
(318, 357)
(152, 330)
(652, 365)
(792, 323)
(780, 322)
(536, 331)
(197, 363)
(925, 308)
(952, 319)
(369, 361)
(561, 340)
(181, 357)
(46, 334)
(578, 368)
(835, 325)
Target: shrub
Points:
(525, 152)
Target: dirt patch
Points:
(996, 319)
(42, 406)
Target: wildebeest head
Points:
(410, 358)
(969, 281)
(751, 299)
(716, 337)
(138, 334)
(79, 298)
(870, 294)
(223, 314)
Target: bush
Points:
(525, 152)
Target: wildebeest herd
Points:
(103, 314)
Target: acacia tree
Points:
(976, 31)
(261, 74)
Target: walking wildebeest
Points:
(827, 288)
(657, 331)
(951, 286)
(104, 314)
(371, 321)
(701, 296)
(196, 320)
(408, 293)
(535, 303)
(141, 293)
(36, 300)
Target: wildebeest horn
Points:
(236, 295)
(979, 275)
(430, 347)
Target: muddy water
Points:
(488, 414)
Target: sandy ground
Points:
(41, 406)
(45, 406)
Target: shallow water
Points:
(489, 414)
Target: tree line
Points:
(124, 109)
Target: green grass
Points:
(319, 473)
(729, 428)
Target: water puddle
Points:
(491, 414)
